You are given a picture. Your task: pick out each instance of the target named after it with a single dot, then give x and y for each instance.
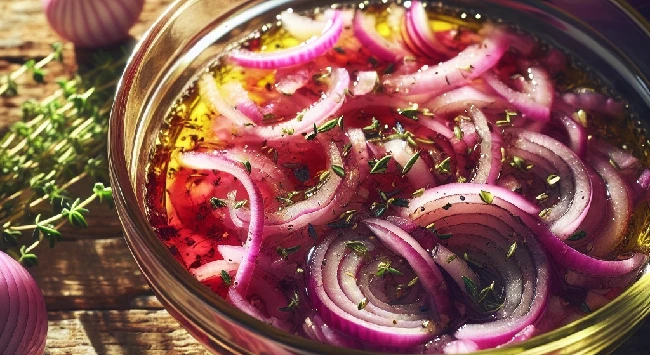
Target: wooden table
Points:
(98, 301)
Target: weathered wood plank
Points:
(90, 274)
(135, 332)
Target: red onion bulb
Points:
(92, 23)
(23, 317)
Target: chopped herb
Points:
(486, 196)
(339, 121)
(410, 112)
(542, 197)
(312, 231)
(362, 304)
(447, 206)
(285, 252)
(581, 117)
(268, 117)
(511, 250)
(372, 129)
(507, 120)
(577, 235)
(338, 170)
(451, 258)
(311, 135)
(431, 227)
(585, 307)
(288, 131)
(300, 115)
(293, 304)
(327, 126)
(544, 213)
(346, 149)
(444, 166)
(470, 286)
(517, 162)
(378, 209)
(240, 204)
(225, 276)
(418, 192)
(384, 267)
(389, 69)
(410, 163)
(552, 179)
(357, 246)
(613, 163)
(458, 133)
(247, 166)
(380, 165)
(217, 203)
(484, 292)
(472, 261)
(503, 154)
(399, 202)
(444, 236)
(412, 282)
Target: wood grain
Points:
(133, 332)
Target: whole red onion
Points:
(23, 317)
(92, 23)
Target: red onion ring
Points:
(535, 102)
(378, 46)
(304, 122)
(295, 55)
(344, 314)
(459, 70)
(420, 33)
(219, 162)
(547, 157)
(498, 219)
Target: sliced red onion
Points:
(419, 31)
(489, 163)
(594, 102)
(300, 54)
(552, 160)
(483, 222)
(419, 174)
(219, 162)
(402, 244)
(329, 200)
(301, 27)
(347, 315)
(459, 70)
(604, 226)
(214, 268)
(366, 82)
(380, 47)
(459, 100)
(264, 290)
(635, 174)
(535, 102)
(208, 89)
(304, 121)
(575, 133)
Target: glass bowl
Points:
(608, 35)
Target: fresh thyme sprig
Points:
(59, 142)
(8, 86)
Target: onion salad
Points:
(383, 178)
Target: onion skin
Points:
(22, 311)
(92, 23)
